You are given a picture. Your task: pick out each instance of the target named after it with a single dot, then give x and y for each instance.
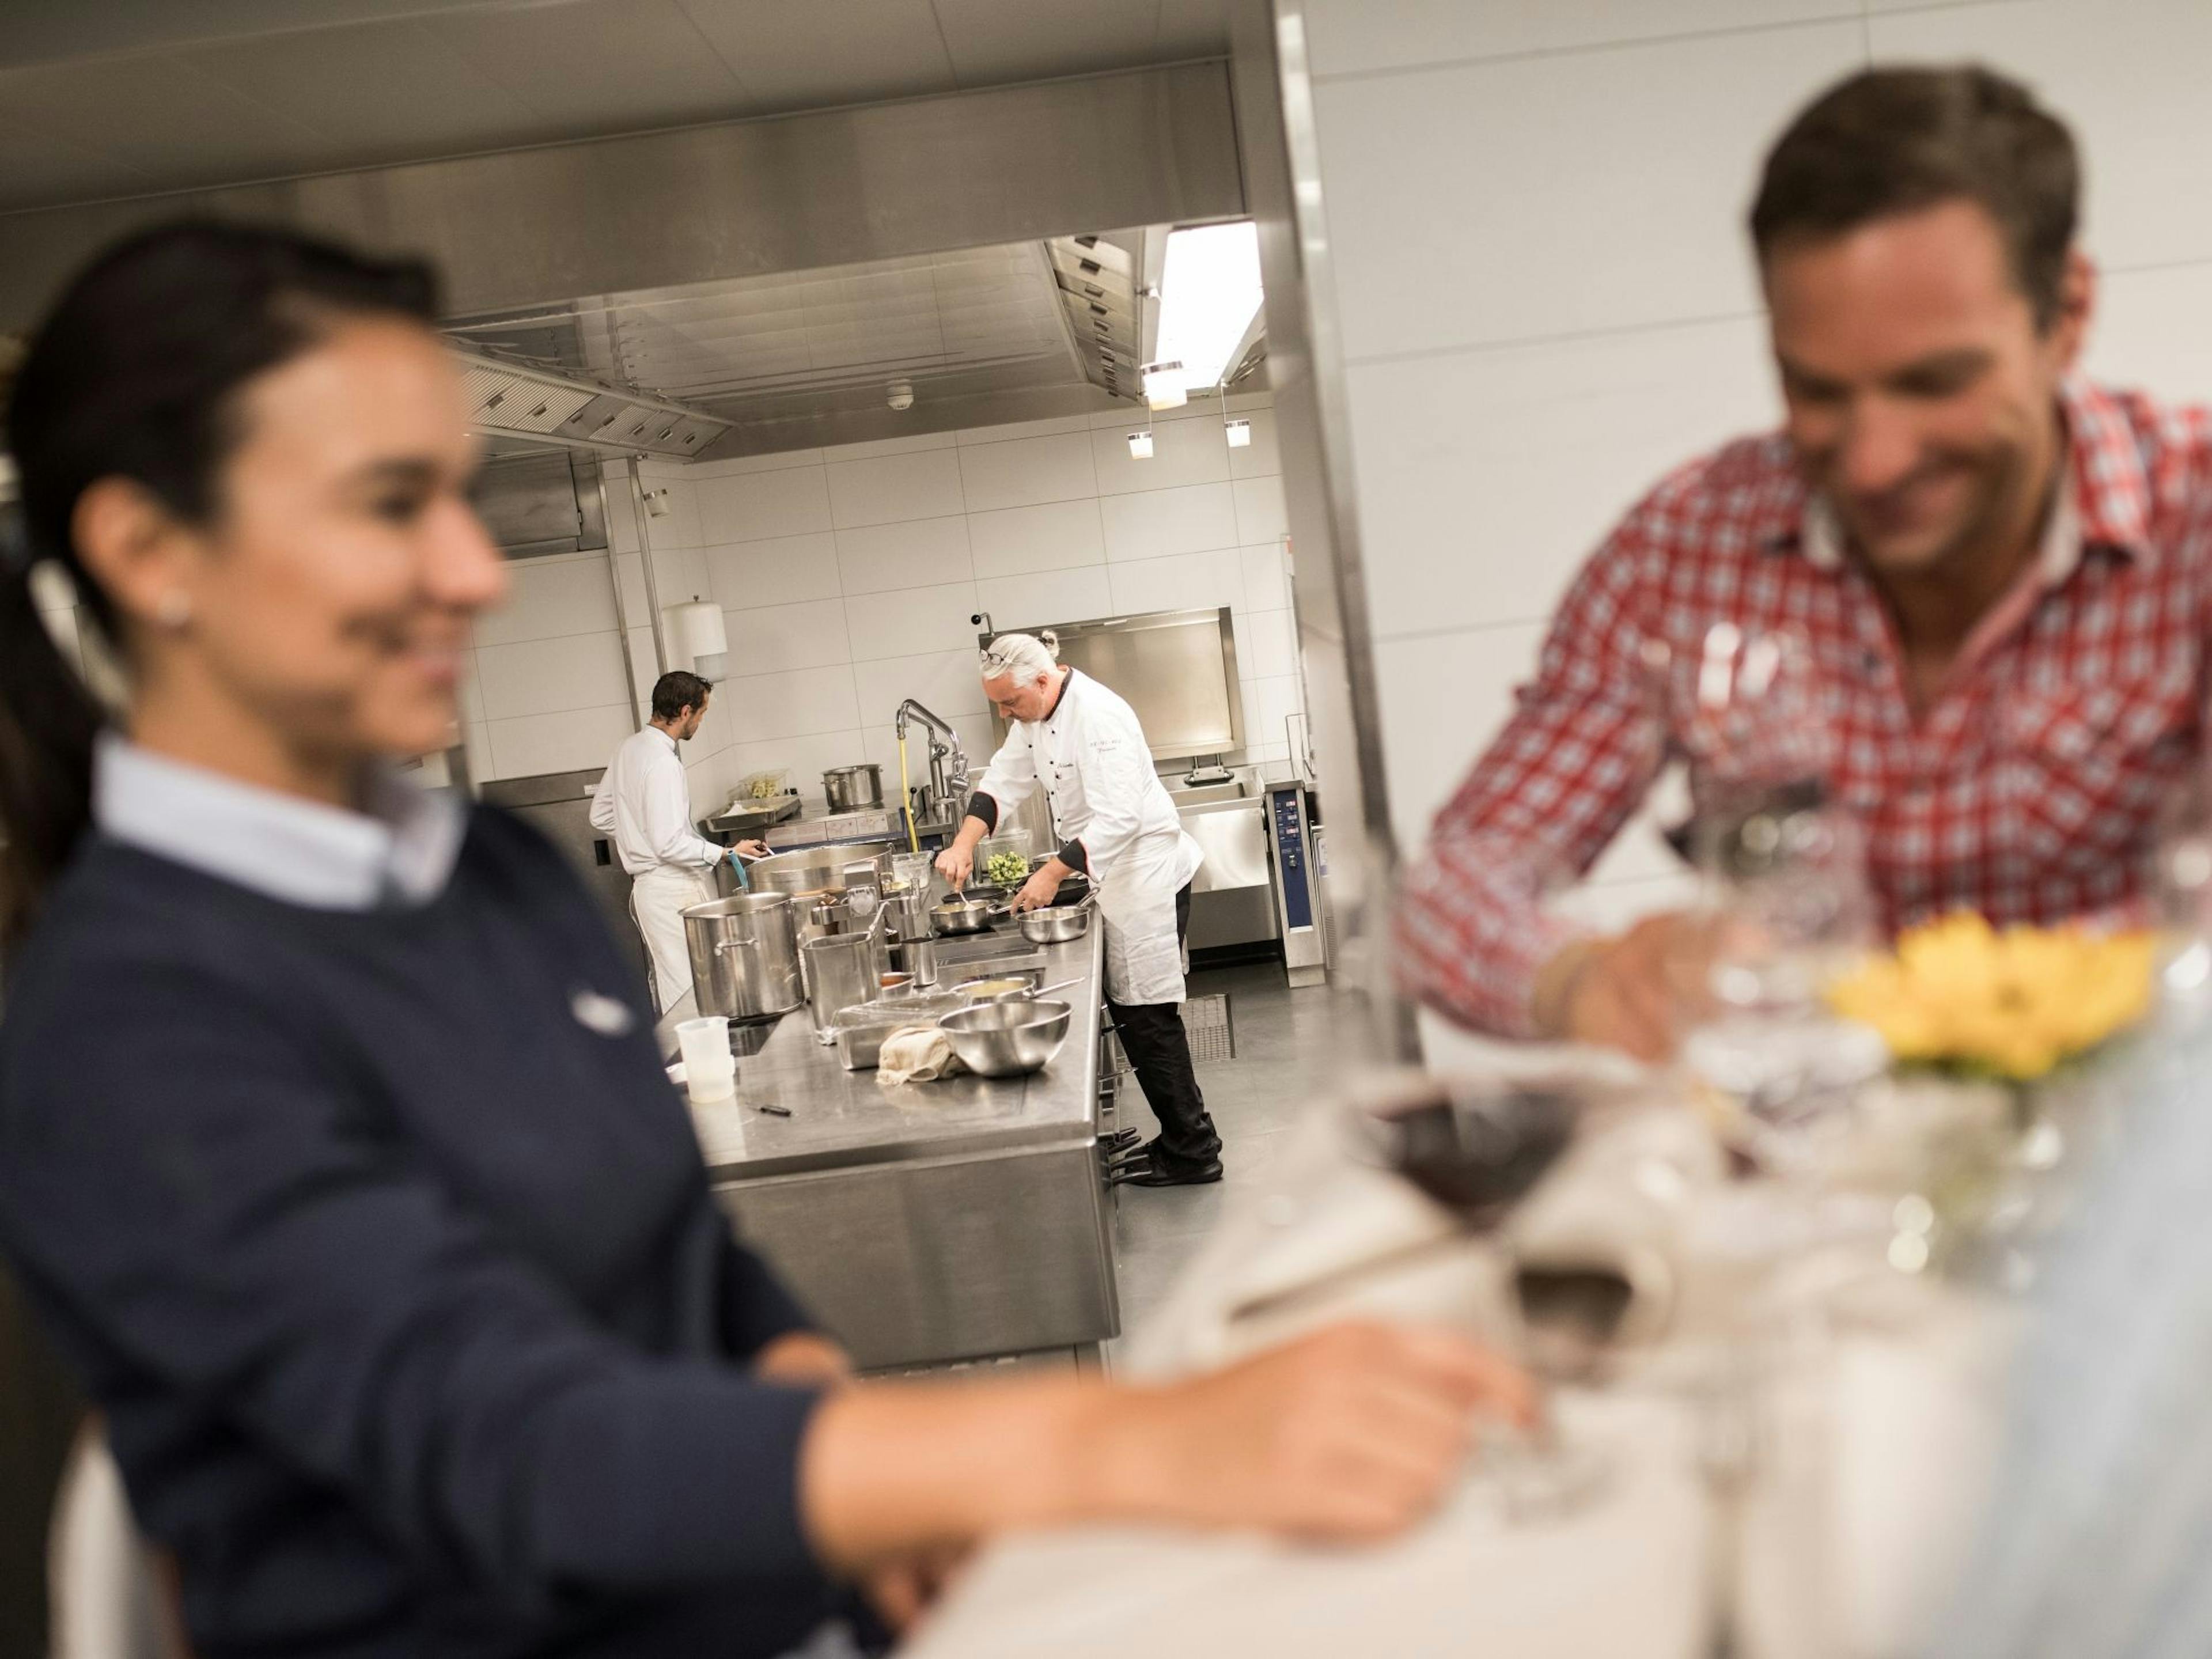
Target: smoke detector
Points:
(900, 394)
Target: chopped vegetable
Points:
(1006, 868)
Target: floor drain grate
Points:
(1207, 1021)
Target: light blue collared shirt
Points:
(400, 851)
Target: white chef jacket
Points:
(1090, 757)
(644, 801)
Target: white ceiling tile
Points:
(160, 120)
(994, 40)
(604, 65)
(378, 91)
(795, 54)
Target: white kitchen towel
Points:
(915, 1053)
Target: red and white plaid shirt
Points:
(2029, 791)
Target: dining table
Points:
(1785, 1455)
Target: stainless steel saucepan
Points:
(1057, 925)
(957, 915)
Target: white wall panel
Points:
(1047, 596)
(1027, 471)
(1486, 478)
(2128, 79)
(781, 636)
(1591, 190)
(2154, 331)
(945, 682)
(911, 621)
(914, 553)
(1153, 524)
(749, 507)
(796, 704)
(1057, 536)
(1352, 37)
(540, 676)
(569, 741)
(894, 486)
(547, 597)
(781, 570)
(1184, 451)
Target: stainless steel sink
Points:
(1205, 794)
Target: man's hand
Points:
(1042, 888)
(955, 864)
(901, 1591)
(751, 849)
(1636, 992)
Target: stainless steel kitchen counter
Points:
(932, 1221)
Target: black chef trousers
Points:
(1160, 1052)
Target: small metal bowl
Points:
(1056, 925)
(1007, 1039)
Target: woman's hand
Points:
(1354, 1432)
(805, 1358)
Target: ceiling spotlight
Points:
(1165, 386)
(1140, 445)
(900, 394)
(1240, 434)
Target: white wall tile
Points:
(1269, 704)
(2128, 79)
(1183, 452)
(644, 669)
(999, 435)
(680, 574)
(891, 488)
(2154, 330)
(541, 677)
(546, 598)
(1351, 37)
(1261, 514)
(469, 693)
(911, 621)
(781, 570)
(1443, 699)
(630, 568)
(1591, 190)
(916, 553)
(1027, 471)
(776, 637)
(875, 447)
(750, 507)
(1055, 536)
(1047, 596)
(1485, 478)
(476, 738)
(945, 682)
(1267, 577)
(1264, 454)
(1264, 645)
(569, 741)
(730, 466)
(1187, 581)
(796, 704)
(1154, 524)
(807, 756)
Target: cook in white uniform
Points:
(644, 801)
(1082, 745)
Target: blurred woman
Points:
(334, 1142)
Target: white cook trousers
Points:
(658, 900)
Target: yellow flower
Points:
(2015, 1003)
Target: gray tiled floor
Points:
(1288, 1044)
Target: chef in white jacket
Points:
(1081, 745)
(644, 802)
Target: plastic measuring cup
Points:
(710, 1070)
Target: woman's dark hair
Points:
(1891, 141)
(136, 373)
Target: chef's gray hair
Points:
(1027, 657)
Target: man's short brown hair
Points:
(676, 691)
(1891, 141)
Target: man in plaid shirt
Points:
(1997, 574)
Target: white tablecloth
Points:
(1873, 1439)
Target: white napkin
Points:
(915, 1053)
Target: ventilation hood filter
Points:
(523, 401)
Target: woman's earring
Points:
(174, 611)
